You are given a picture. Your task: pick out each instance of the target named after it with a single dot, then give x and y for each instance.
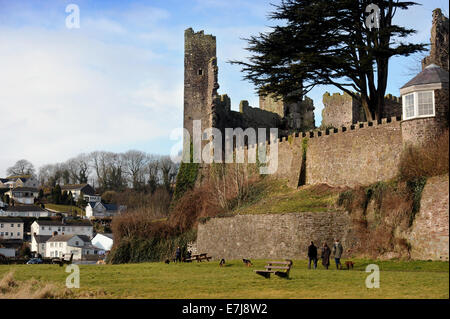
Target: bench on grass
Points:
(279, 268)
(199, 257)
(66, 259)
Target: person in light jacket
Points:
(337, 252)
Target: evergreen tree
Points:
(326, 42)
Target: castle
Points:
(345, 150)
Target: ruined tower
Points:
(439, 42)
(199, 83)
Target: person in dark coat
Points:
(312, 255)
(326, 252)
(337, 252)
(178, 254)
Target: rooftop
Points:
(431, 74)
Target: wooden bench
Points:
(279, 268)
(199, 257)
(66, 259)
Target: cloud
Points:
(63, 94)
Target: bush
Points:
(430, 159)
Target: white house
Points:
(43, 230)
(11, 228)
(103, 241)
(100, 210)
(65, 227)
(23, 195)
(78, 245)
(25, 211)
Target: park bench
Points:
(279, 268)
(66, 259)
(199, 257)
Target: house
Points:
(62, 227)
(38, 243)
(78, 245)
(11, 228)
(23, 195)
(98, 209)
(19, 181)
(43, 230)
(77, 189)
(25, 211)
(103, 241)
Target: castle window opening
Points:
(200, 71)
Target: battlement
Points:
(330, 131)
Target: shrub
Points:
(426, 160)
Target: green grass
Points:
(398, 279)
(65, 209)
(274, 197)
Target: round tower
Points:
(425, 105)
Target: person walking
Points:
(337, 252)
(312, 255)
(178, 254)
(325, 256)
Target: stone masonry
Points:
(271, 236)
(429, 233)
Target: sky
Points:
(116, 83)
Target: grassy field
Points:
(416, 279)
(65, 209)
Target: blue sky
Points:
(117, 82)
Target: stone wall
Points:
(271, 236)
(429, 236)
(361, 154)
(343, 109)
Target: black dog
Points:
(222, 262)
(247, 262)
(167, 261)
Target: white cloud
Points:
(64, 93)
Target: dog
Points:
(247, 262)
(222, 262)
(349, 264)
(167, 261)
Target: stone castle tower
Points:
(202, 101)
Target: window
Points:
(12, 225)
(18, 234)
(51, 244)
(1, 234)
(1, 225)
(425, 103)
(6, 233)
(409, 106)
(76, 243)
(18, 225)
(43, 228)
(418, 104)
(200, 72)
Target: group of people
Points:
(325, 254)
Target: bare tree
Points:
(22, 167)
(79, 168)
(135, 162)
